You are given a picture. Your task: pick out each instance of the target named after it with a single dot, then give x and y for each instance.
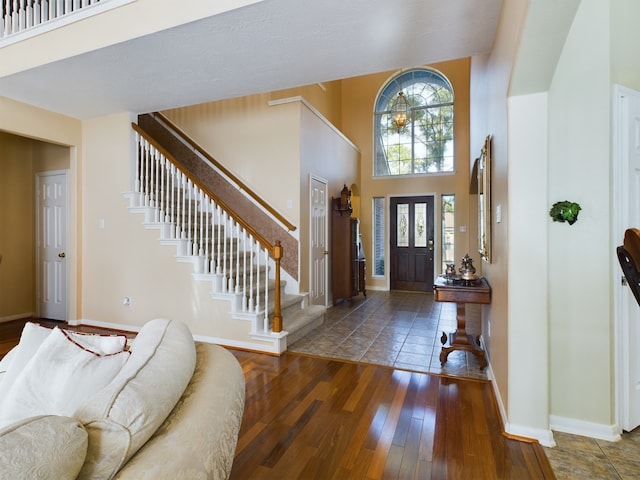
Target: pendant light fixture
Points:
(400, 111)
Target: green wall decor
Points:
(565, 211)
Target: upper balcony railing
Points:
(20, 19)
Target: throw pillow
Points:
(32, 337)
(42, 448)
(59, 378)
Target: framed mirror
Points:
(484, 201)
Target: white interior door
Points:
(51, 244)
(318, 239)
(628, 205)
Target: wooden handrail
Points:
(263, 241)
(229, 174)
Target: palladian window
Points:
(414, 125)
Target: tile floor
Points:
(398, 329)
(403, 330)
(576, 457)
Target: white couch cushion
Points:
(33, 335)
(43, 447)
(61, 376)
(126, 413)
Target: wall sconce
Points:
(400, 111)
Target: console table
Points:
(461, 293)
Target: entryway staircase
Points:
(229, 255)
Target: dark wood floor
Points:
(315, 418)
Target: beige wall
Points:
(258, 143)
(20, 160)
(580, 318)
(358, 99)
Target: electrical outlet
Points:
(126, 301)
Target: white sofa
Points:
(172, 409)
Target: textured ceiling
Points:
(266, 46)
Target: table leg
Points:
(461, 340)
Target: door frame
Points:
(437, 208)
(38, 258)
(325, 182)
(620, 200)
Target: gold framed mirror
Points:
(484, 201)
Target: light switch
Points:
(101, 223)
(498, 213)
(462, 228)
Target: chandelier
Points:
(400, 111)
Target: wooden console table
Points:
(462, 293)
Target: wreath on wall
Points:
(565, 211)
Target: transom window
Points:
(424, 143)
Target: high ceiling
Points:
(270, 45)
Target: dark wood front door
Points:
(411, 238)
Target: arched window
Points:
(414, 137)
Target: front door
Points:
(51, 242)
(411, 243)
(318, 240)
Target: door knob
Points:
(62, 255)
(326, 252)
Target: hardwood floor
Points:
(317, 418)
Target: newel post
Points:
(277, 313)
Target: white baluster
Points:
(60, 8)
(22, 16)
(258, 277)
(147, 169)
(15, 25)
(167, 190)
(194, 229)
(29, 15)
(183, 233)
(153, 184)
(231, 286)
(175, 199)
(266, 290)
(162, 190)
(244, 270)
(238, 257)
(37, 12)
(217, 243)
(224, 254)
(44, 10)
(207, 221)
(251, 305)
(202, 207)
(189, 216)
(7, 18)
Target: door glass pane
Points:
(420, 224)
(378, 236)
(448, 230)
(402, 215)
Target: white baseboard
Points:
(19, 316)
(256, 347)
(611, 433)
(544, 437)
(111, 326)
